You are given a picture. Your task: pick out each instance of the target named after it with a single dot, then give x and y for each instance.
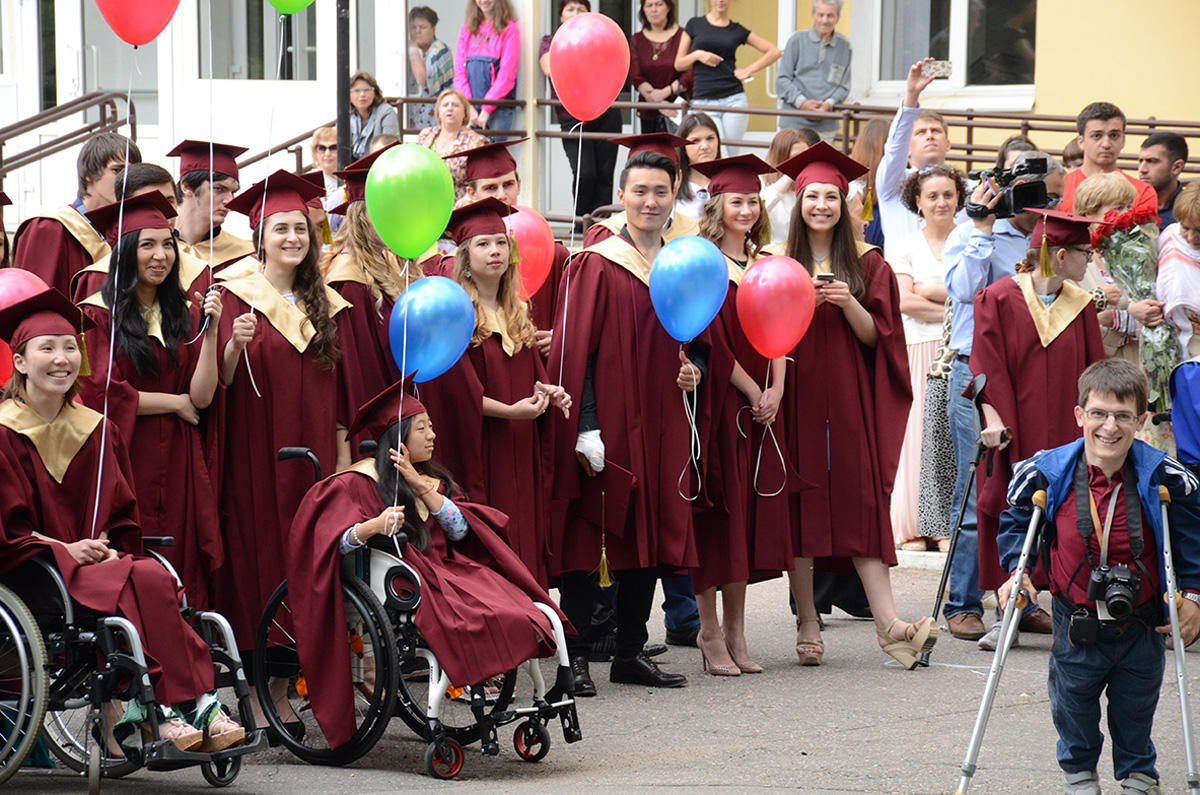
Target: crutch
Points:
(1008, 631)
(1185, 708)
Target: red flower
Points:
(1099, 236)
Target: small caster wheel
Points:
(531, 741)
(446, 767)
(221, 772)
(93, 770)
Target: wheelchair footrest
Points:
(165, 755)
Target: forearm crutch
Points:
(1185, 709)
(1008, 631)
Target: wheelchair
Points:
(395, 674)
(82, 662)
(23, 682)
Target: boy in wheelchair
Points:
(51, 508)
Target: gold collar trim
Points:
(1050, 321)
(56, 442)
(678, 226)
(736, 271)
(619, 251)
(225, 247)
(494, 324)
(95, 245)
(151, 314)
(287, 318)
(343, 268)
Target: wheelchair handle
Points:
(367, 447)
(158, 541)
(292, 453)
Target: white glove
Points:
(591, 446)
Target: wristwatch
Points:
(1192, 597)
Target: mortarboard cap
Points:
(355, 175)
(317, 179)
(4, 200)
(1055, 228)
(488, 161)
(734, 174)
(484, 217)
(822, 163)
(47, 312)
(149, 210)
(381, 412)
(664, 144)
(193, 156)
(280, 192)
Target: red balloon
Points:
(589, 64)
(5, 363)
(775, 304)
(17, 285)
(137, 21)
(535, 245)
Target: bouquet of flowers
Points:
(1131, 255)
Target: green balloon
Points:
(290, 6)
(410, 195)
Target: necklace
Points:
(658, 48)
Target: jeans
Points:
(1128, 663)
(964, 595)
(501, 119)
(679, 603)
(731, 126)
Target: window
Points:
(248, 35)
(108, 65)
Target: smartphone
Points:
(825, 277)
(936, 69)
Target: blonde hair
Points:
(514, 313)
(357, 239)
(1103, 190)
(319, 135)
(502, 11)
(462, 100)
(1187, 204)
(712, 226)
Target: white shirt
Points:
(911, 256)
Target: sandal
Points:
(918, 638)
(810, 652)
(222, 732)
(185, 736)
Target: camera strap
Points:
(1087, 517)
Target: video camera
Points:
(1016, 195)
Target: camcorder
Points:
(1017, 195)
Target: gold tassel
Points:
(605, 578)
(85, 367)
(1044, 257)
(868, 208)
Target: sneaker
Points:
(1140, 784)
(991, 640)
(1086, 782)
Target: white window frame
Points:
(866, 26)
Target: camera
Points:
(1117, 586)
(1015, 196)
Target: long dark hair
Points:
(843, 254)
(392, 488)
(691, 122)
(128, 326)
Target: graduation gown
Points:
(476, 612)
(846, 405)
(1033, 356)
(741, 534)
(49, 487)
(502, 463)
(612, 226)
(543, 305)
(297, 408)
(224, 248)
(637, 499)
(193, 276)
(57, 245)
(172, 473)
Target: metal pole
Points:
(343, 83)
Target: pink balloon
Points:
(589, 64)
(535, 245)
(137, 21)
(775, 304)
(17, 285)
(5, 363)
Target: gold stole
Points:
(344, 269)
(225, 248)
(1050, 321)
(680, 225)
(56, 442)
(288, 319)
(492, 322)
(622, 253)
(151, 314)
(74, 222)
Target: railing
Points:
(109, 121)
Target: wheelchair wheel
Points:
(221, 773)
(444, 767)
(456, 716)
(531, 741)
(371, 648)
(23, 682)
(68, 734)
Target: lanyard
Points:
(1112, 509)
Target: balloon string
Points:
(571, 248)
(408, 263)
(689, 410)
(114, 262)
(770, 431)
(211, 198)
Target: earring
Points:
(467, 272)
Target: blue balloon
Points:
(440, 320)
(688, 282)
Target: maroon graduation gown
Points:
(34, 500)
(193, 276)
(641, 418)
(172, 475)
(476, 612)
(501, 463)
(1032, 387)
(56, 246)
(258, 494)
(845, 405)
(741, 534)
(543, 305)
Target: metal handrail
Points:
(109, 121)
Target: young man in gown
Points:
(206, 186)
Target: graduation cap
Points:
(734, 174)
(279, 193)
(664, 144)
(44, 313)
(317, 179)
(488, 161)
(822, 163)
(193, 156)
(1056, 228)
(381, 412)
(484, 217)
(355, 175)
(149, 210)
(4, 200)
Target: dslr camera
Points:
(1117, 586)
(1016, 195)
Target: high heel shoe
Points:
(746, 666)
(810, 652)
(715, 669)
(918, 638)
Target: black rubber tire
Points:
(444, 769)
(21, 638)
(94, 770)
(372, 714)
(531, 740)
(221, 773)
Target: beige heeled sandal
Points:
(918, 638)
(810, 652)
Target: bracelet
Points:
(354, 539)
(1099, 299)
(426, 491)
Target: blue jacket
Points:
(1054, 470)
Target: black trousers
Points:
(594, 162)
(577, 598)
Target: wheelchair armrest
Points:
(158, 541)
(291, 453)
(367, 447)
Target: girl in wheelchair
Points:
(476, 612)
(51, 452)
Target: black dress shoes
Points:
(654, 649)
(682, 637)
(641, 670)
(584, 686)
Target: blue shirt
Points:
(973, 261)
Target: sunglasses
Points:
(322, 148)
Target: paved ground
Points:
(856, 724)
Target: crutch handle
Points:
(1178, 600)
(1039, 498)
(1022, 600)
(1164, 494)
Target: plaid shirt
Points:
(439, 71)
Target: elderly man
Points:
(815, 71)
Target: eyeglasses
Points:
(1122, 417)
(326, 147)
